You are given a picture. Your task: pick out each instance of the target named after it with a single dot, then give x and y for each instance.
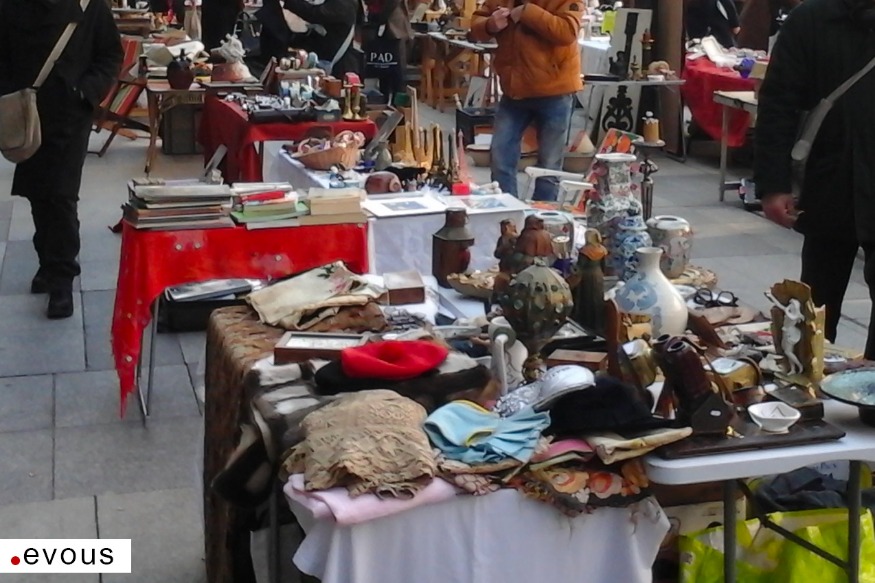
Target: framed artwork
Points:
(403, 206)
(626, 37)
(301, 346)
(477, 89)
(488, 203)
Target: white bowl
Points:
(774, 417)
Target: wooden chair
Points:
(114, 113)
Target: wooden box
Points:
(302, 346)
(594, 361)
(404, 287)
(179, 130)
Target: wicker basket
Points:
(325, 159)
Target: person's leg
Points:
(511, 120)
(58, 219)
(40, 284)
(552, 115)
(869, 274)
(826, 267)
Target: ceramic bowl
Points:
(577, 163)
(480, 154)
(855, 387)
(774, 417)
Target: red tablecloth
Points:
(226, 123)
(703, 78)
(152, 261)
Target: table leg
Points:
(730, 490)
(854, 522)
(154, 120)
(723, 151)
(146, 399)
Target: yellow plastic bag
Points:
(764, 556)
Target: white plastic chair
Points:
(568, 182)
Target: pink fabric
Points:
(564, 446)
(337, 505)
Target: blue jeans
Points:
(551, 116)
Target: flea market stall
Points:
(411, 376)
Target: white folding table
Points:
(857, 446)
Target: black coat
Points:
(705, 17)
(821, 45)
(84, 74)
(337, 16)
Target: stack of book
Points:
(331, 206)
(267, 205)
(168, 205)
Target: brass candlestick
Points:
(347, 103)
(361, 110)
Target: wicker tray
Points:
(477, 284)
(325, 159)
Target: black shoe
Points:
(39, 284)
(60, 304)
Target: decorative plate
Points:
(856, 387)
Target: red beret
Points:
(395, 360)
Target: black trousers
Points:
(56, 239)
(826, 267)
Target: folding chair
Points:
(114, 113)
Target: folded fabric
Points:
(369, 442)
(457, 377)
(336, 503)
(393, 360)
(563, 447)
(611, 447)
(300, 302)
(467, 432)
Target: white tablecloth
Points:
(404, 243)
(503, 537)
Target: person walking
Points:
(538, 66)
(717, 18)
(823, 44)
(79, 81)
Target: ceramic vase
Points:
(675, 237)
(614, 196)
(631, 234)
(180, 75)
(536, 303)
(451, 246)
(648, 292)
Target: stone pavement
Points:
(69, 467)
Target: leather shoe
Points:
(39, 284)
(60, 304)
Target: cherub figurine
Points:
(791, 332)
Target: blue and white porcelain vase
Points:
(631, 235)
(650, 293)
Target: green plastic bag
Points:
(764, 556)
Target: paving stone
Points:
(99, 275)
(25, 467)
(21, 227)
(126, 457)
(31, 344)
(92, 397)
(26, 403)
(73, 518)
(165, 528)
(193, 345)
(19, 266)
(5, 224)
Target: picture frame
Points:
(488, 203)
(404, 206)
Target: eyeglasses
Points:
(710, 299)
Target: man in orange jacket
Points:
(538, 65)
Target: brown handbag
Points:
(20, 133)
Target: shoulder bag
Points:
(20, 135)
(811, 126)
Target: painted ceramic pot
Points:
(650, 293)
(675, 237)
(536, 303)
(630, 235)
